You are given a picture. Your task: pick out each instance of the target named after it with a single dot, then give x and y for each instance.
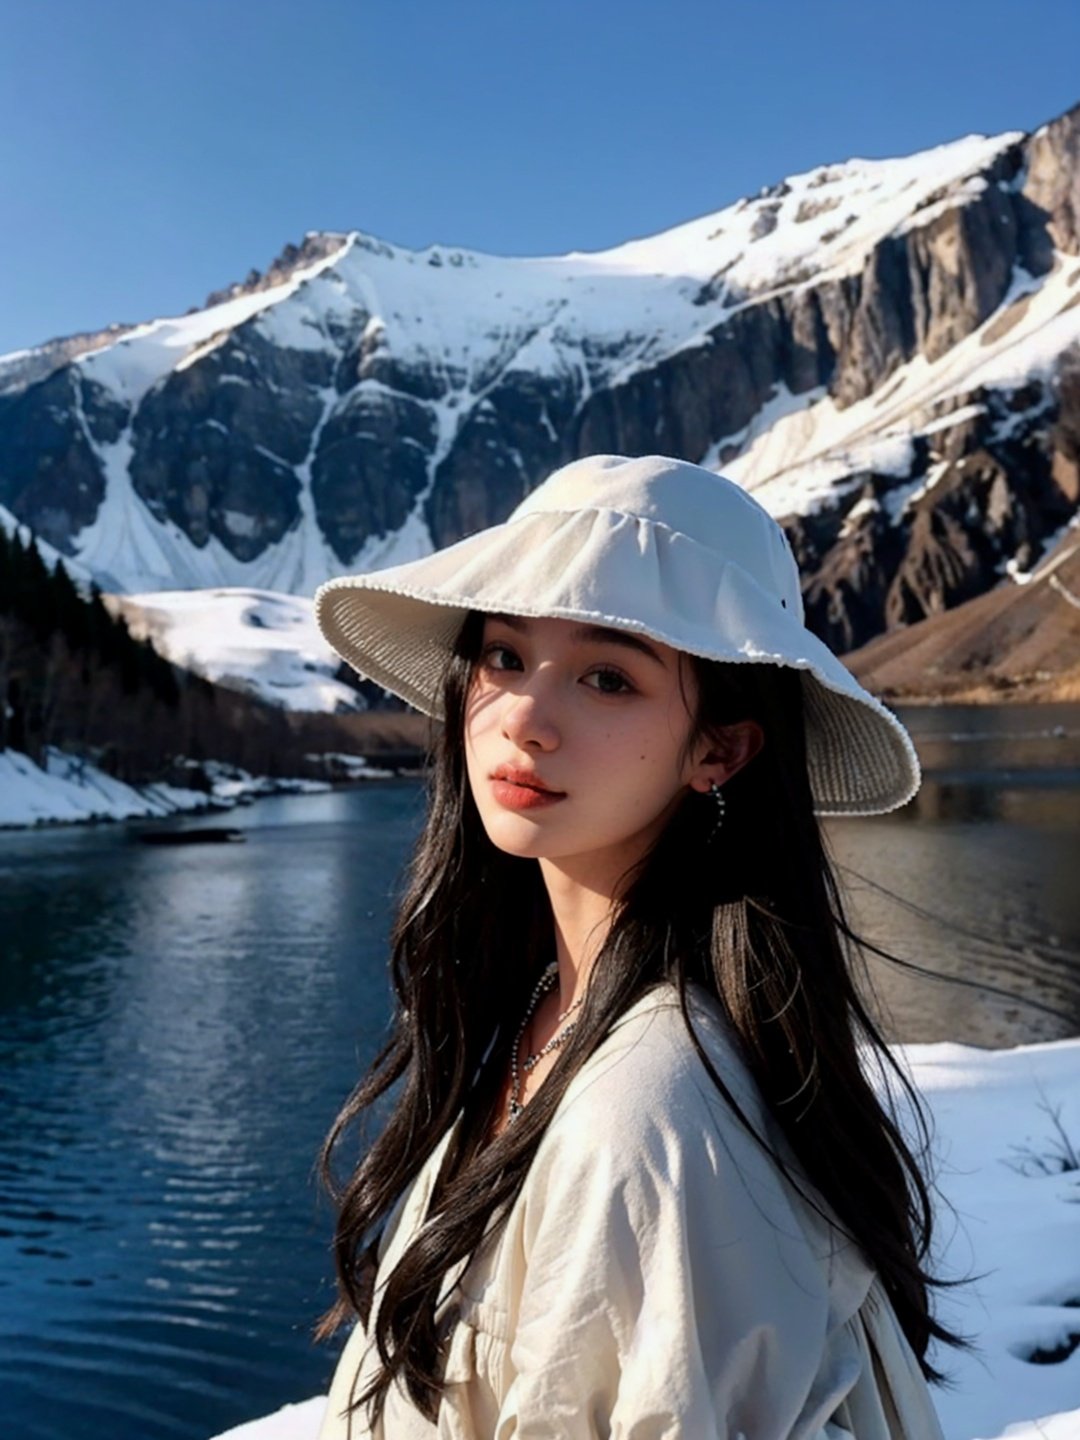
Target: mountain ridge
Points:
(873, 349)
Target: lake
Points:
(178, 1026)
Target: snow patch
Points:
(70, 790)
(237, 523)
(794, 460)
(147, 354)
(292, 1422)
(258, 641)
(1038, 570)
(66, 791)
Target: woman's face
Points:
(576, 741)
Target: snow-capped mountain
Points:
(872, 348)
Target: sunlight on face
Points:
(576, 740)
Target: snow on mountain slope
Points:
(81, 576)
(801, 447)
(468, 309)
(129, 366)
(823, 222)
(825, 343)
(468, 319)
(253, 640)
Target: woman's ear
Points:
(728, 749)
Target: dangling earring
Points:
(721, 805)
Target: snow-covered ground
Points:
(260, 641)
(1007, 1121)
(69, 790)
(254, 640)
(1008, 1213)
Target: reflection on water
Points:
(1043, 799)
(976, 879)
(178, 1027)
(985, 894)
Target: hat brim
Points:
(397, 627)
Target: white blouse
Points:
(657, 1276)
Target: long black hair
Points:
(754, 915)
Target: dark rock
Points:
(215, 443)
(845, 585)
(417, 379)
(316, 245)
(810, 358)
(106, 418)
(505, 446)
(765, 222)
(1066, 435)
(881, 335)
(1053, 179)
(50, 477)
(370, 467)
(695, 396)
(991, 491)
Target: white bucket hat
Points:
(652, 545)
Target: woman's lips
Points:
(515, 791)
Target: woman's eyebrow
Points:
(607, 636)
(603, 634)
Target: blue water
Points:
(178, 1027)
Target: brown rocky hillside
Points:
(1020, 641)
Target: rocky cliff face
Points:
(881, 351)
(1015, 642)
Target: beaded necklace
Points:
(542, 986)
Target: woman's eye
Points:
(609, 682)
(499, 657)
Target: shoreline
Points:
(71, 792)
(1006, 744)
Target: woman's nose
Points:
(529, 721)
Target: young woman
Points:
(636, 1181)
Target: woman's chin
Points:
(515, 836)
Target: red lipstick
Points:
(517, 789)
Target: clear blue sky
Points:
(152, 152)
